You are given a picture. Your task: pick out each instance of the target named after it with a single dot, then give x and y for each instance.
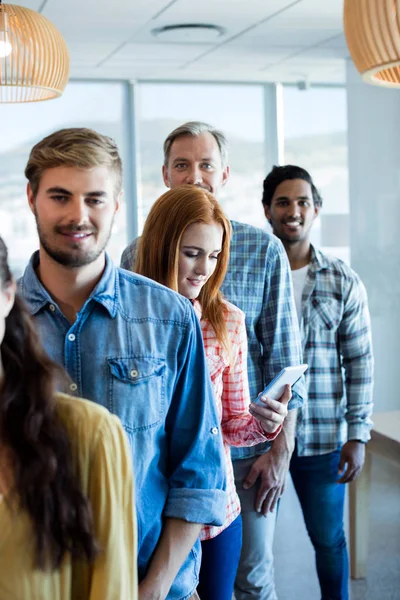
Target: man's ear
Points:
(267, 213)
(316, 211)
(165, 176)
(31, 197)
(225, 174)
(118, 200)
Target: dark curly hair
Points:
(45, 479)
(280, 174)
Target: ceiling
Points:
(263, 40)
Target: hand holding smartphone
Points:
(275, 389)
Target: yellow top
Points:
(102, 454)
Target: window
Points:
(315, 138)
(95, 105)
(238, 110)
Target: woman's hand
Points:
(272, 413)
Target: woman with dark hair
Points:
(67, 520)
(185, 246)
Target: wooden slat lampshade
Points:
(34, 59)
(372, 30)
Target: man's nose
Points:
(194, 176)
(293, 210)
(78, 211)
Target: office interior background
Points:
(276, 77)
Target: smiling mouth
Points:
(196, 282)
(292, 224)
(77, 235)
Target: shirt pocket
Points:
(325, 314)
(137, 391)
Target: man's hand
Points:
(352, 455)
(274, 412)
(272, 468)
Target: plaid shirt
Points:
(336, 336)
(258, 281)
(231, 391)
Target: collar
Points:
(318, 261)
(105, 293)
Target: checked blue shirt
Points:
(258, 281)
(336, 334)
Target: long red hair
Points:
(158, 250)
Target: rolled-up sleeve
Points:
(197, 477)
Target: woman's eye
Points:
(190, 255)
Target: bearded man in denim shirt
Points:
(131, 345)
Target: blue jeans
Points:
(322, 502)
(219, 562)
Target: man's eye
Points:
(180, 166)
(94, 201)
(59, 198)
(207, 166)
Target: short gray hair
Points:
(195, 129)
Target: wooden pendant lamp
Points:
(372, 30)
(34, 59)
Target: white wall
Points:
(374, 174)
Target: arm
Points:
(111, 493)
(356, 349)
(195, 462)
(177, 539)
(241, 427)
(278, 328)
(272, 467)
(279, 337)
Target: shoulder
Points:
(338, 268)
(141, 297)
(252, 239)
(234, 317)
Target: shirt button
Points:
(52, 307)
(134, 373)
(73, 387)
(71, 337)
(214, 430)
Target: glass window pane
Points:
(235, 109)
(315, 138)
(95, 105)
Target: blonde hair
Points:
(158, 250)
(74, 147)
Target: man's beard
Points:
(73, 258)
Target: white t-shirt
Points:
(299, 280)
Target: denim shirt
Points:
(136, 348)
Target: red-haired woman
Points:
(67, 515)
(185, 246)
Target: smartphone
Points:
(275, 389)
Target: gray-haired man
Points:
(258, 281)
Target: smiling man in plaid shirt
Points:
(258, 282)
(334, 424)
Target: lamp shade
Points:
(372, 30)
(34, 59)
